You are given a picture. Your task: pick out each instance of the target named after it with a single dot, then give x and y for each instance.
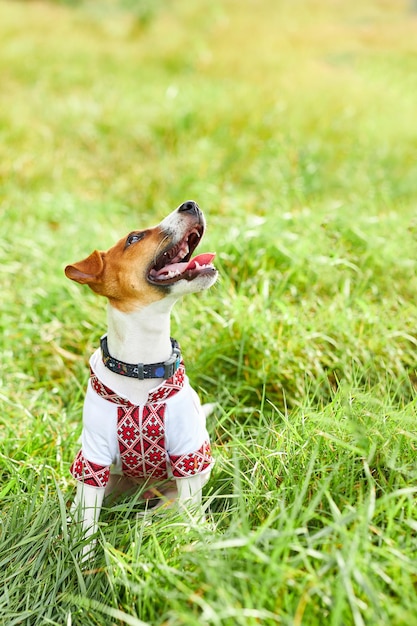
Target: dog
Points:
(143, 424)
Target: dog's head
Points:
(151, 264)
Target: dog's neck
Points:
(142, 336)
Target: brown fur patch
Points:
(120, 274)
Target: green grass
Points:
(293, 126)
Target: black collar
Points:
(165, 369)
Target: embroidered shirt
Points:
(164, 438)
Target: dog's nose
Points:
(189, 207)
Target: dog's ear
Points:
(88, 271)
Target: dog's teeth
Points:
(169, 274)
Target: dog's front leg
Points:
(190, 492)
(86, 508)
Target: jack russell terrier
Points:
(141, 417)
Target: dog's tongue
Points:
(201, 259)
(179, 268)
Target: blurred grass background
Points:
(292, 124)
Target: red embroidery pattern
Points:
(88, 472)
(141, 446)
(192, 463)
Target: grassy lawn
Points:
(293, 125)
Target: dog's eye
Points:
(133, 238)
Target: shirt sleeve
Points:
(88, 472)
(187, 439)
(99, 435)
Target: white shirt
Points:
(165, 437)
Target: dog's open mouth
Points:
(176, 264)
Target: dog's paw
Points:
(208, 408)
